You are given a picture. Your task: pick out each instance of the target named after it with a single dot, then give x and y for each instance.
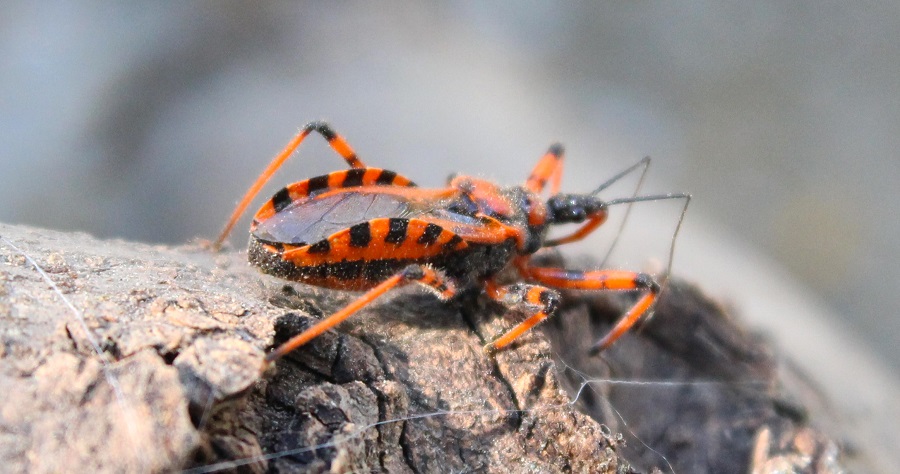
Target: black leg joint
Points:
(557, 149)
(550, 300)
(322, 127)
(413, 272)
(643, 280)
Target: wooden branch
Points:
(402, 387)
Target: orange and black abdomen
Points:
(361, 256)
(356, 237)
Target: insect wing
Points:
(315, 218)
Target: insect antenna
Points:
(661, 197)
(645, 162)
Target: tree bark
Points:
(155, 367)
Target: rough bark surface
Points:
(402, 387)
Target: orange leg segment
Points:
(541, 302)
(593, 221)
(336, 141)
(549, 168)
(425, 276)
(601, 280)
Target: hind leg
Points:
(337, 143)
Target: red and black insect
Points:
(370, 229)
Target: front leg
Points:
(600, 280)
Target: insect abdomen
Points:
(359, 256)
(343, 275)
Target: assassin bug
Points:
(370, 229)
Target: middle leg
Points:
(537, 301)
(423, 275)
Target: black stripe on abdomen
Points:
(396, 230)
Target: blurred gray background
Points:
(148, 121)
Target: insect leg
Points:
(601, 280)
(336, 141)
(426, 276)
(549, 168)
(593, 221)
(538, 301)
